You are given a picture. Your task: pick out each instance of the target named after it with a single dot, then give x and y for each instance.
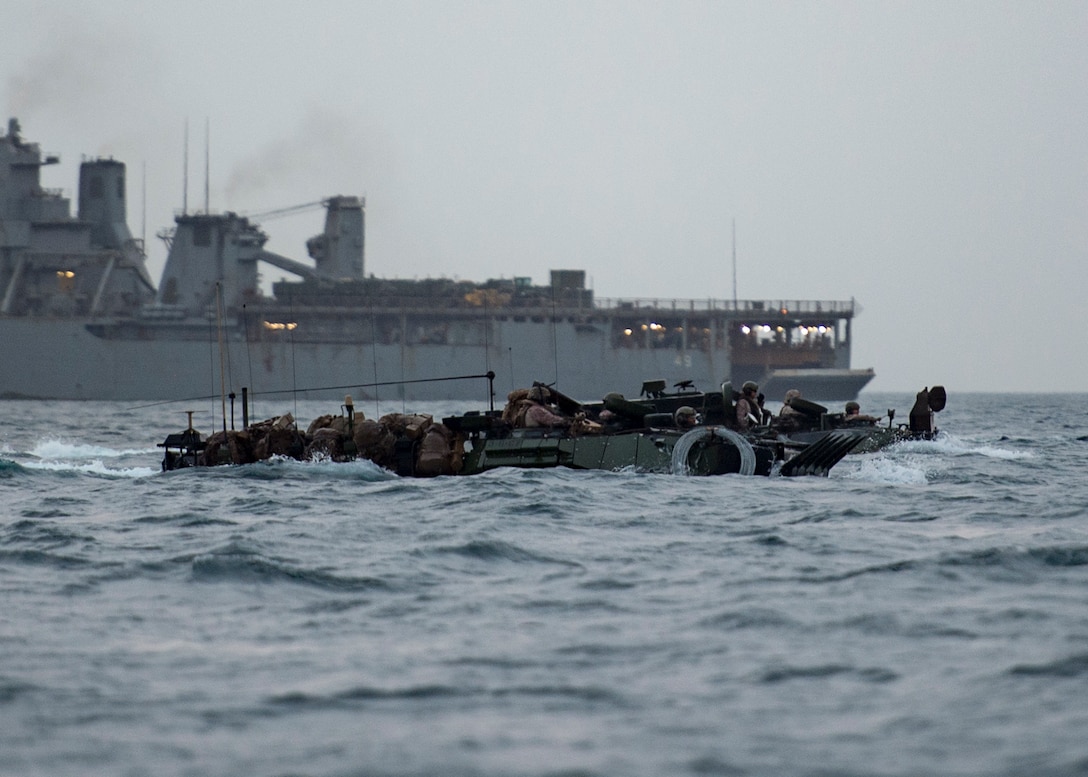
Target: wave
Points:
(945, 444)
(498, 551)
(278, 468)
(749, 618)
(8, 467)
(237, 562)
(881, 468)
(784, 673)
(1019, 558)
(587, 693)
(42, 558)
(11, 468)
(65, 457)
(1004, 562)
(956, 446)
(1071, 666)
(91, 467)
(61, 449)
(918, 462)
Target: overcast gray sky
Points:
(929, 159)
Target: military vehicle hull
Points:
(813, 422)
(613, 434)
(703, 451)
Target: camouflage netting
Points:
(434, 449)
(376, 442)
(276, 437)
(406, 425)
(327, 443)
(440, 453)
(337, 422)
(229, 448)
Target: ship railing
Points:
(754, 307)
(455, 305)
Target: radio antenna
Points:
(734, 264)
(207, 163)
(185, 175)
(143, 213)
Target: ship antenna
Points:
(222, 370)
(207, 163)
(487, 354)
(294, 366)
(249, 354)
(143, 214)
(185, 175)
(734, 264)
(555, 339)
(374, 357)
(487, 344)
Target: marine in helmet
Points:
(790, 419)
(787, 409)
(853, 415)
(749, 413)
(539, 415)
(685, 417)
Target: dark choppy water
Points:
(922, 611)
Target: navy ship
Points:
(81, 319)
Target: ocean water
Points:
(922, 611)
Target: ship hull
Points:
(67, 359)
(821, 385)
(73, 359)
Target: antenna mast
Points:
(207, 163)
(185, 177)
(143, 214)
(734, 263)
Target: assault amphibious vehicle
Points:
(645, 434)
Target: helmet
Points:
(791, 395)
(538, 394)
(749, 385)
(852, 407)
(681, 412)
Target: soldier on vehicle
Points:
(787, 410)
(685, 417)
(749, 413)
(853, 415)
(538, 414)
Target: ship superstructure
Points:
(81, 319)
(54, 264)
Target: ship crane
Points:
(338, 251)
(288, 211)
(166, 235)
